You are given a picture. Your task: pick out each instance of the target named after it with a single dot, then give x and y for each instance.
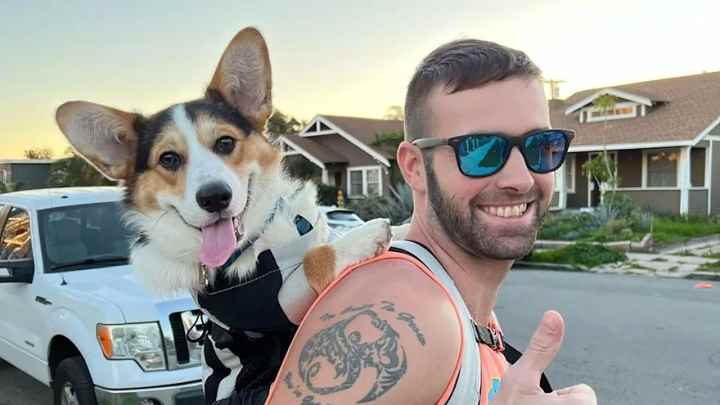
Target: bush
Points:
(396, 208)
(327, 195)
(579, 254)
(568, 226)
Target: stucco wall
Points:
(659, 201)
(697, 202)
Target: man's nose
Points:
(515, 175)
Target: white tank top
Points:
(467, 386)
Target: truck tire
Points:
(73, 384)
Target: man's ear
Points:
(411, 164)
(244, 78)
(103, 136)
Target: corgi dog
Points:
(217, 216)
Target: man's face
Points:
(481, 215)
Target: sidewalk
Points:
(657, 265)
(681, 260)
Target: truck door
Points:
(24, 309)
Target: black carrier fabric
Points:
(250, 305)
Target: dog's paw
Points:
(363, 242)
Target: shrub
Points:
(327, 195)
(579, 254)
(397, 207)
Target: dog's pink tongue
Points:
(218, 243)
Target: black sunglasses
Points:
(482, 155)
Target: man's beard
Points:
(461, 224)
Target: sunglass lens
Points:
(545, 151)
(481, 155)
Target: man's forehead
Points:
(512, 106)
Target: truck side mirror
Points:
(17, 271)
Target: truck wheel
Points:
(73, 385)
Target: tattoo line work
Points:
(349, 353)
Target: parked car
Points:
(72, 314)
(340, 220)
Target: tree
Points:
(75, 171)
(38, 153)
(281, 124)
(394, 112)
(601, 168)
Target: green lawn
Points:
(678, 229)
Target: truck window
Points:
(15, 239)
(84, 236)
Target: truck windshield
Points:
(84, 236)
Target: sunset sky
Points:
(329, 57)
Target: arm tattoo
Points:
(342, 352)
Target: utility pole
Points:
(554, 88)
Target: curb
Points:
(704, 275)
(549, 266)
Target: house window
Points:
(662, 168)
(615, 111)
(356, 182)
(373, 182)
(619, 111)
(697, 167)
(365, 181)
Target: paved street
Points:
(17, 388)
(635, 340)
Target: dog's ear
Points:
(104, 136)
(243, 77)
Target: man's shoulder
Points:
(385, 332)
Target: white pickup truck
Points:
(72, 314)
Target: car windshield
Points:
(84, 236)
(343, 216)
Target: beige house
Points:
(663, 135)
(345, 153)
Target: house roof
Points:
(316, 149)
(683, 108)
(366, 129)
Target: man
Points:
(415, 326)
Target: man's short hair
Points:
(457, 66)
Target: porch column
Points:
(324, 179)
(684, 179)
(561, 180)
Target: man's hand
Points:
(521, 383)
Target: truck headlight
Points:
(141, 342)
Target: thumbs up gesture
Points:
(521, 383)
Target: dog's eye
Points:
(170, 161)
(224, 145)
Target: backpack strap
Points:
(512, 355)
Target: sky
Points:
(328, 57)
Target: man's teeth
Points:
(506, 211)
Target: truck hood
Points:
(117, 285)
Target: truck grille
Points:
(182, 323)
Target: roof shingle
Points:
(690, 104)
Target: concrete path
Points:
(659, 265)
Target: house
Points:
(25, 173)
(662, 135)
(345, 153)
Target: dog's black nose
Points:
(214, 197)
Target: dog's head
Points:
(190, 169)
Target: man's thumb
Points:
(544, 344)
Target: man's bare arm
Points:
(386, 334)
